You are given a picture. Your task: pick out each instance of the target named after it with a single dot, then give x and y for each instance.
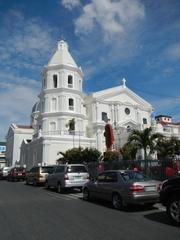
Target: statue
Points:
(109, 136)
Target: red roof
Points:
(24, 126)
(159, 116)
(169, 123)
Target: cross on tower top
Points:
(124, 82)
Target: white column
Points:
(99, 140)
(118, 115)
(94, 114)
(112, 114)
(98, 112)
(45, 156)
(60, 79)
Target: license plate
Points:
(150, 188)
(77, 177)
(19, 174)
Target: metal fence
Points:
(156, 169)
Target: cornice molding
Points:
(60, 90)
(62, 66)
(62, 114)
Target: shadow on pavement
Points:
(64, 191)
(127, 209)
(160, 217)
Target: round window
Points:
(127, 111)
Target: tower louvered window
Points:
(70, 81)
(71, 104)
(55, 81)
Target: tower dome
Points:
(34, 114)
(35, 108)
(62, 56)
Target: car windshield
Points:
(71, 169)
(134, 175)
(47, 169)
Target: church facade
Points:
(65, 117)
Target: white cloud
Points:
(173, 51)
(70, 4)
(16, 101)
(26, 41)
(25, 46)
(166, 105)
(112, 18)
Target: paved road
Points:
(34, 213)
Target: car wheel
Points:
(80, 189)
(117, 201)
(173, 210)
(34, 182)
(86, 195)
(59, 189)
(46, 184)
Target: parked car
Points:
(5, 172)
(16, 174)
(170, 198)
(1, 173)
(122, 187)
(38, 174)
(68, 176)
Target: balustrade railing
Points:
(63, 132)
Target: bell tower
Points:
(61, 96)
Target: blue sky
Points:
(109, 39)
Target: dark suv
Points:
(170, 197)
(16, 174)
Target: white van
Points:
(5, 172)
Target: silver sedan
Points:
(123, 187)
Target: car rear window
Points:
(47, 169)
(134, 175)
(19, 169)
(81, 169)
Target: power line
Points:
(157, 94)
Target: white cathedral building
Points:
(65, 117)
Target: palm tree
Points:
(129, 151)
(163, 149)
(145, 140)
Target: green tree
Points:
(168, 148)
(112, 155)
(91, 155)
(145, 140)
(129, 151)
(79, 155)
(71, 125)
(175, 143)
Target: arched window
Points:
(55, 81)
(54, 104)
(71, 104)
(70, 81)
(144, 121)
(45, 83)
(128, 129)
(104, 117)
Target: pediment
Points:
(24, 142)
(122, 95)
(10, 132)
(127, 123)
